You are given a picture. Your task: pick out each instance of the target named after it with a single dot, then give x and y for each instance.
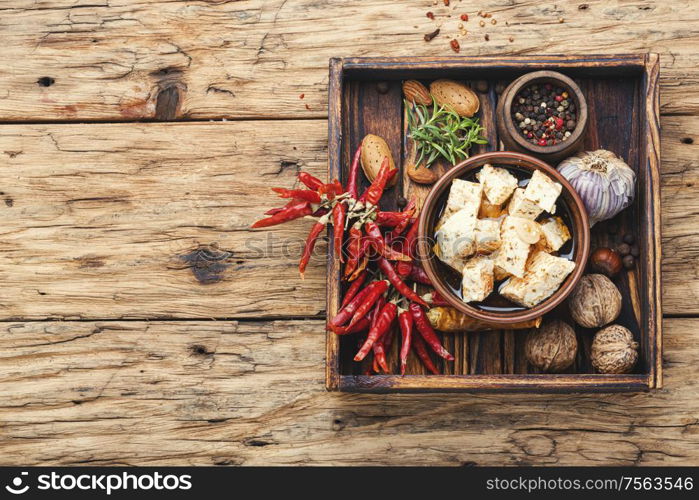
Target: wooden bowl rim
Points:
(580, 234)
(528, 79)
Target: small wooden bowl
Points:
(509, 132)
(580, 233)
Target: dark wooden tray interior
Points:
(617, 105)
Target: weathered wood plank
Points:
(110, 221)
(103, 392)
(96, 216)
(124, 60)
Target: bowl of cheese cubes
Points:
(503, 237)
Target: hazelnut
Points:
(595, 301)
(552, 348)
(607, 261)
(614, 350)
(623, 249)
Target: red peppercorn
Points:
(558, 98)
(302, 96)
(559, 123)
(542, 142)
(464, 17)
(446, 3)
(455, 45)
(530, 135)
(430, 15)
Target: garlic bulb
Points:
(603, 180)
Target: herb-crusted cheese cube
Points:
(463, 195)
(545, 274)
(456, 237)
(554, 234)
(477, 282)
(513, 253)
(520, 206)
(498, 272)
(487, 235)
(489, 211)
(498, 183)
(543, 191)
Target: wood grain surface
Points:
(252, 393)
(114, 60)
(108, 338)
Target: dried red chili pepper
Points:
(419, 275)
(404, 268)
(374, 235)
(362, 324)
(378, 347)
(373, 193)
(339, 213)
(361, 266)
(276, 210)
(353, 289)
(298, 194)
(295, 211)
(377, 291)
(411, 240)
(354, 242)
(434, 298)
(311, 243)
(310, 181)
(392, 219)
(383, 323)
(354, 174)
(390, 272)
(405, 321)
(421, 351)
(345, 314)
(425, 328)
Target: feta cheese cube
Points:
(487, 236)
(498, 183)
(545, 274)
(498, 272)
(513, 253)
(463, 195)
(543, 191)
(456, 237)
(520, 206)
(477, 282)
(554, 234)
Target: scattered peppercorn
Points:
(629, 238)
(511, 39)
(464, 17)
(308, 107)
(629, 262)
(302, 96)
(635, 251)
(488, 14)
(430, 15)
(446, 3)
(487, 37)
(481, 23)
(455, 45)
(623, 249)
(561, 20)
(382, 87)
(430, 36)
(583, 6)
(493, 21)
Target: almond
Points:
(455, 95)
(422, 175)
(374, 150)
(416, 92)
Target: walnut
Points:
(614, 350)
(595, 301)
(552, 347)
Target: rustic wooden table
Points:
(139, 141)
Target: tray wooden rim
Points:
(648, 64)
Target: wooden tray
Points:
(622, 95)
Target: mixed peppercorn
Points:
(379, 259)
(544, 114)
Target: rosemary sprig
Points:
(441, 132)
